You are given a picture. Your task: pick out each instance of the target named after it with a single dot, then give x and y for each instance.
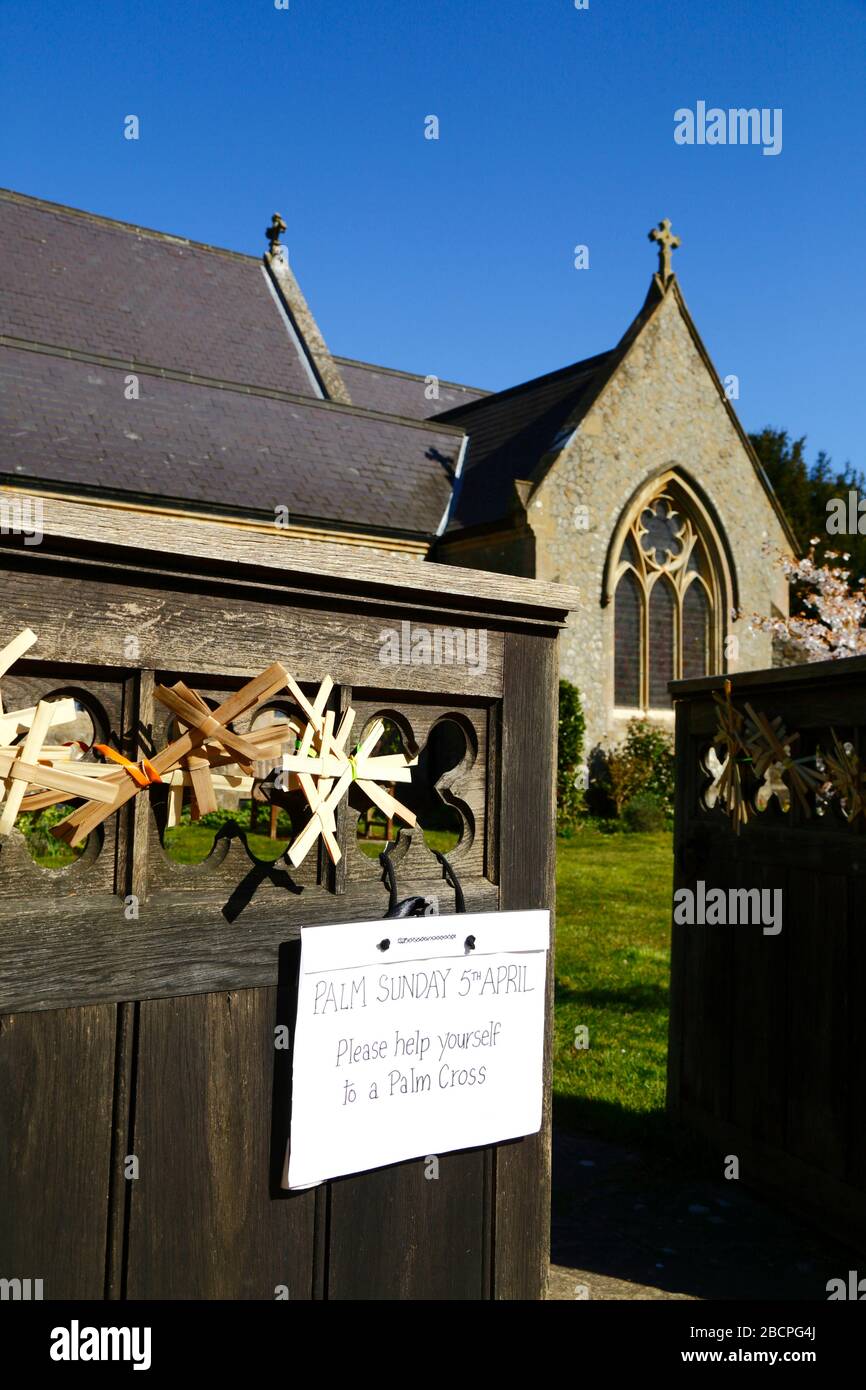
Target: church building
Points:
(144, 370)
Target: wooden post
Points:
(527, 818)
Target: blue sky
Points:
(455, 256)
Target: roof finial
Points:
(274, 232)
(667, 244)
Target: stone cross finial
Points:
(667, 244)
(274, 232)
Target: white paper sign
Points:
(428, 1046)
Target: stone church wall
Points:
(661, 409)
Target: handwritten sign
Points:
(430, 1044)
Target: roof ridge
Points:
(594, 389)
(116, 223)
(409, 376)
(218, 384)
(526, 385)
(737, 423)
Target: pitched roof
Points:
(240, 406)
(230, 416)
(511, 431)
(401, 393)
(83, 282)
(518, 434)
(67, 422)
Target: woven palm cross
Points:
(770, 744)
(728, 786)
(847, 777)
(221, 748)
(325, 771)
(24, 766)
(32, 764)
(206, 757)
(204, 726)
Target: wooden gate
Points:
(768, 1029)
(139, 996)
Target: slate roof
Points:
(68, 422)
(401, 393)
(86, 283)
(510, 432)
(230, 417)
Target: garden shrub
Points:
(626, 777)
(643, 762)
(569, 759)
(644, 813)
(653, 749)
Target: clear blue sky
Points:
(455, 256)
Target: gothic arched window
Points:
(668, 600)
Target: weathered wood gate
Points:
(153, 1035)
(768, 1031)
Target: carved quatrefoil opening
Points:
(450, 752)
(269, 816)
(773, 785)
(277, 809)
(714, 767)
(443, 820)
(186, 840)
(375, 831)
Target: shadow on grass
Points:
(650, 1129)
(632, 999)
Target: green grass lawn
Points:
(189, 844)
(441, 840)
(613, 904)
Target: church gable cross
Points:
(667, 243)
(274, 232)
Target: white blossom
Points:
(835, 625)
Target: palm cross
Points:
(321, 764)
(31, 763)
(325, 771)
